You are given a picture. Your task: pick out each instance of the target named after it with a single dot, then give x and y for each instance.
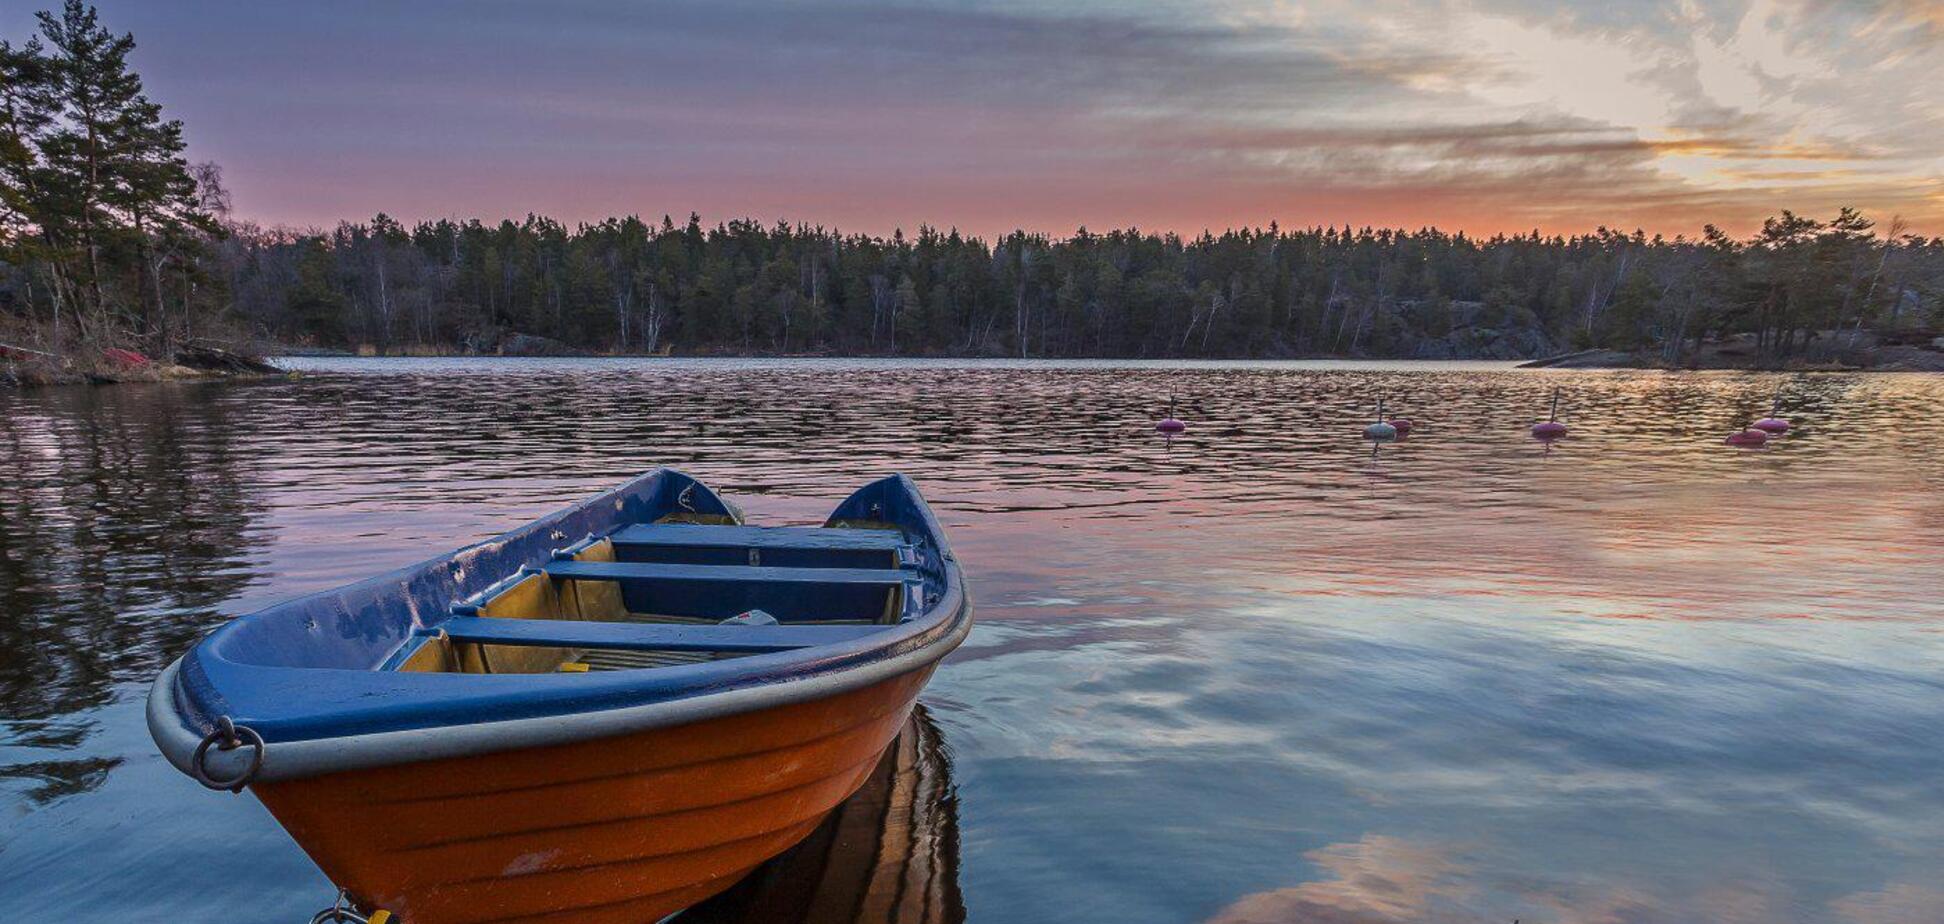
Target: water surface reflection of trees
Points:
(125, 523)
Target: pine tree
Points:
(27, 230)
(112, 174)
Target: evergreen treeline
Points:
(629, 286)
(109, 237)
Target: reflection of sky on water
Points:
(1660, 760)
(1251, 674)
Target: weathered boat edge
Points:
(296, 759)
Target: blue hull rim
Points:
(300, 759)
(303, 673)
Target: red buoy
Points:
(1403, 425)
(1748, 437)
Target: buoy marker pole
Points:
(1169, 424)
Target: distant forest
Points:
(109, 237)
(630, 286)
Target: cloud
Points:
(1485, 115)
(1379, 879)
(1376, 880)
(1897, 903)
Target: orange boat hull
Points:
(622, 829)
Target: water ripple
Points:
(1257, 672)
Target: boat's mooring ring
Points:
(228, 736)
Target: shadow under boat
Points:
(887, 855)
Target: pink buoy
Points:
(1169, 424)
(1748, 437)
(1550, 428)
(1774, 422)
(1403, 425)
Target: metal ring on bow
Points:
(228, 736)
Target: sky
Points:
(1477, 115)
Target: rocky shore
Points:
(26, 368)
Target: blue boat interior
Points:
(665, 593)
(680, 590)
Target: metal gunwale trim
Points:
(318, 756)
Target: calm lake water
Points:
(1254, 674)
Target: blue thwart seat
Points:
(721, 591)
(788, 546)
(767, 537)
(655, 571)
(627, 636)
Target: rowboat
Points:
(539, 728)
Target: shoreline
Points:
(22, 367)
(226, 366)
(1739, 357)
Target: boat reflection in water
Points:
(887, 855)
